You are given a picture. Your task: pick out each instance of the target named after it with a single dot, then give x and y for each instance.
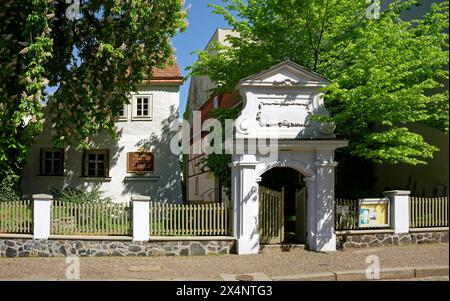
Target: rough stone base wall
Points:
(389, 239)
(54, 248)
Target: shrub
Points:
(75, 195)
(9, 186)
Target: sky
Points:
(202, 24)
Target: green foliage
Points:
(271, 31)
(395, 83)
(219, 163)
(93, 62)
(25, 49)
(118, 43)
(224, 114)
(74, 195)
(9, 186)
(386, 73)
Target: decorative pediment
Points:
(285, 74)
(280, 102)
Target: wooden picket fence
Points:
(16, 217)
(348, 220)
(428, 212)
(91, 219)
(189, 220)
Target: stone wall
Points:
(389, 239)
(11, 247)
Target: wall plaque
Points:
(284, 112)
(140, 162)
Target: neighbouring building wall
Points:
(162, 185)
(203, 185)
(200, 86)
(199, 92)
(200, 182)
(422, 180)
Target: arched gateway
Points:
(278, 107)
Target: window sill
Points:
(51, 177)
(142, 178)
(92, 179)
(135, 118)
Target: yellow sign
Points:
(374, 213)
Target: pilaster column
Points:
(323, 236)
(310, 207)
(245, 204)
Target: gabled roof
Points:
(303, 75)
(170, 75)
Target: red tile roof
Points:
(169, 75)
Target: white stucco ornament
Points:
(280, 102)
(244, 124)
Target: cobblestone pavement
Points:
(213, 267)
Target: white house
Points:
(139, 162)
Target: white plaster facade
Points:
(162, 185)
(279, 104)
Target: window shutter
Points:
(107, 164)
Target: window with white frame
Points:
(123, 113)
(143, 107)
(52, 162)
(96, 164)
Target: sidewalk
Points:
(267, 266)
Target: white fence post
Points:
(42, 204)
(399, 210)
(141, 217)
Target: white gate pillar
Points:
(42, 204)
(245, 204)
(323, 237)
(399, 209)
(141, 217)
(310, 208)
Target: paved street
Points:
(219, 267)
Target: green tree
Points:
(218, 164)
(386, 72)
(93, 58)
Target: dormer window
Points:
(143, 107)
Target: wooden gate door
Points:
(300, 215)
(271, 216)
